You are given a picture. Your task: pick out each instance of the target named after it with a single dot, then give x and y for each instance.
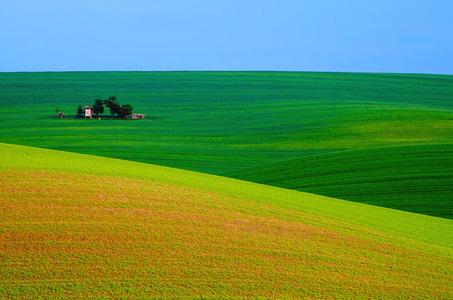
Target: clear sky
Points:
(402, 36)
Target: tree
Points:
(79, 111)
(98, 107)
(113, 105)
(123, 112)
(57, 110)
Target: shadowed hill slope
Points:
(410, 178)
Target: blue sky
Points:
(395, 36)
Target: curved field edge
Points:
(426, 229)
(415, 178)
(77, 228)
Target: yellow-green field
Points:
(78, 226)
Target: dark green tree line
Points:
(123, 111)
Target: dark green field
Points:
(404, 177)
(298, 130)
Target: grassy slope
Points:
(412, 178)
(76, 226)
(216, 122)
(221, 122)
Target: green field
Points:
(119, 212)
(243, 123)
(78, 226)
(413, 178)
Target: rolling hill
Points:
(78, 226)
(411, 178)
(217, 122)
(244, 124)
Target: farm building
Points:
(138, 116)
(88, 112)
(61, 115)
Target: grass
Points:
(226, 122)
(411, 178)
(217, 122)
(78, 226)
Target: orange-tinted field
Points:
(70, 235)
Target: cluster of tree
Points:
(123, 111)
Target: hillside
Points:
(411, 178)
(230, 122)
(217, 122)
(77, 226)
